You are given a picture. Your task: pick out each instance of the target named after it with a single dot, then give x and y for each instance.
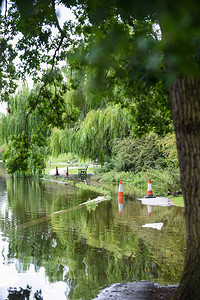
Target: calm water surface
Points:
(76, 252)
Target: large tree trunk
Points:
(185, 106)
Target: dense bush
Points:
(164, 182)
(135, 161)
(139, 154)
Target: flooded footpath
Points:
(54, 238)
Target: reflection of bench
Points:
(82, 173)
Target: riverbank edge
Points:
(177, 200)
(143, 290)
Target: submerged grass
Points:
(93, 188)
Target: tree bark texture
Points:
(185, 106)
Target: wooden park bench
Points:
(82, 173)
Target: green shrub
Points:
(139, 154)
(168, 147)
(163, 181)
(114, 176)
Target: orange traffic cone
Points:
(149, 191)
(149, 210)
(120, 193)
(67, 173)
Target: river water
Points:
(71, 251)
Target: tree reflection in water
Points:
(88, 249)
(23, 294)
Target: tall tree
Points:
(174, 57)
(120, 43)
(25, 137)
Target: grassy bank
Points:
(61, 162)
(178, 200)
(164, 182)
(71, 170)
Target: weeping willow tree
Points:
(56, 142)
(93, 137)
(24, 136)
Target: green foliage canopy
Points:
(138, 154)
(25, 137)
(94, 135)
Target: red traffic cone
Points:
(67, 173)
(149, 210)
(149, 191)
(120, 193)
(57, 171)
